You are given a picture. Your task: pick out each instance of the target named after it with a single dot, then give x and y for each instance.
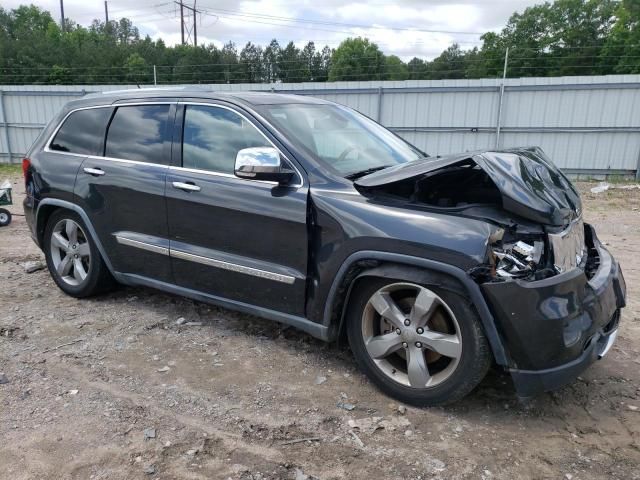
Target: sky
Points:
(407, 28)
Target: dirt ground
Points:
(233, 397)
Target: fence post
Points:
(5, 126)
(379, 112)
(504, 76)
(155, 78)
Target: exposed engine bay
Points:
(539, 232)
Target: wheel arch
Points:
(48, 206)
(372, 264)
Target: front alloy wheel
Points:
(420, 344)
(412, 336)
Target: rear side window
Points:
(82, 132)
(213, 136)
(138, 133)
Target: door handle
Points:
(187, 187)
(96, 172)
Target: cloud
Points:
(397, 27)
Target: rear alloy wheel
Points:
(421, 345)
(73, 258)
(70, 252)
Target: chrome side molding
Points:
(234, 267)
(142, 245)
(212, 262)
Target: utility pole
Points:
(182, 21)
(62, 15)
(186, 26)
(195, 29)
(504, 77)
(106, 12)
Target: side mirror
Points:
(262, 163)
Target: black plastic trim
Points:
(312, 328)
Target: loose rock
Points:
(150, 469)
(346, 406)
(3, 379)
(149, 433)
(320, 380)
(181, 321)
(164, 369)
(30, 267)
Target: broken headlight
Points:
(519, 259)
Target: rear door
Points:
(243, 240)
(122, 190)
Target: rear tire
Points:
(421, 345)
(5, 217)
(73, 258)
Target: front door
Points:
(239, 239)
(122, 191)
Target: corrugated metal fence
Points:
(589, 125)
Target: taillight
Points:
(26, 163)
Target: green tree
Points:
(395, 68)
(417, 69)
(357, 59)
(251, 63)
(291, 65)
(270, 60)
(137, 70)
(622, 47)
(449, 64)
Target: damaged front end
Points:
(534, 207)
(555, 292)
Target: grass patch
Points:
(10, 169)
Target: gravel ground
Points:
(114, 387)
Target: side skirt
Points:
(314, 329)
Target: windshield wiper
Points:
(362, 173)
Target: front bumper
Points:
(555, 328)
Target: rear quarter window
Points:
(82, 132)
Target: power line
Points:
(239, 13)
(297, 26)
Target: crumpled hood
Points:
(530, 184)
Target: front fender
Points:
(419, 270)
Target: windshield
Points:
(341, 138)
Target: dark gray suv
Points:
(305, 212)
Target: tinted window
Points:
(138, 133)
(82, 132)
(213, 136)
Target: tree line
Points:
(565, 37)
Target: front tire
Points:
(73, 258)
(421, 345)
